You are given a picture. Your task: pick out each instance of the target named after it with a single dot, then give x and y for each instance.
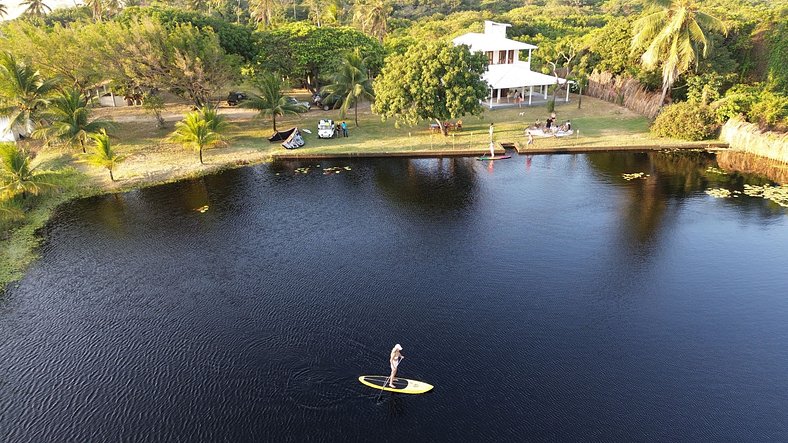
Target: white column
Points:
(567, 91)
(544, 88)
(491, 97)
(530, 94)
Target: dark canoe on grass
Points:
(401, 385)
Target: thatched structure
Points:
(625, 91)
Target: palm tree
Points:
(23, 92)
(3, 10)
(351, 84)
(17, 177)
(69, 121)
(11, 210)
(35, 8)
(672, 35)
(96, 8)
(264, 12)
(197, 132)
(103, 156)
(271, 101)
(372, 16)
(216, 122)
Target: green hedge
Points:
(685, 121)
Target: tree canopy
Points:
(433, 81)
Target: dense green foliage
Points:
(685, 121)
(306, 52)
(233, 38)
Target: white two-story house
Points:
(511, 80)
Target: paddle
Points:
(385, 382)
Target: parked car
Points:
(295, 101)
(234, 98)
(326, 101)
(326, 129)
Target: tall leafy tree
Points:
(199, 131)
(351, 84)
(17, 174)
(35, 8)
(432, 81)
(672, 34)
(23, 92)
(103, 155)
(67, 120)
(270, 100)
(185, 59)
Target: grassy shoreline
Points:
(151, 161)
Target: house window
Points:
(501, 56)
(510, 57)
(489, 57)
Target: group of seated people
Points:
(448, 125)
(551, 126)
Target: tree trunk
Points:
(356, 106)
(110, 174)
(273, 120)
(201, 162)
(443, 128)
(665, 89)
(81, 143)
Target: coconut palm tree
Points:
(68, 120)
(96, 8)
(3, 10)
(264, 12)
(216, 122)
(23, 92)
(372, 16)
(672, 33)
(271, 101)
(11, 210)
(35, 8)
(17, 177)
(351, 84)
(103, 156)
(197, 132)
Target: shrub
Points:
(770, 111)
(685, 121)
(737, 101)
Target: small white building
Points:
(511, 80)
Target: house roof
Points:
(516, 75)
(486, 42)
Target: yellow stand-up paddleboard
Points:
(401, 385)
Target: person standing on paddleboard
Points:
(394, 360)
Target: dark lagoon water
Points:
(545, 297)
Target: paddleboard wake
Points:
(401, 385)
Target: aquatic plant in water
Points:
(634, 175)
